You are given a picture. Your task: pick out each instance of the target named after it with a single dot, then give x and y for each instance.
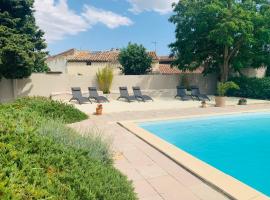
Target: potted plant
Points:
(99, 109)
(242, 101)
(222, 89)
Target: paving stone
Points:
(144, 189)
(205, 192)
(170, 189)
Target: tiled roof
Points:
(108, 56)
(167, 69)
(104, 56)
(63, 54)
(165, 59)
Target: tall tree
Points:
(221, 35)
(135, 60)
(21, 41)
(268, 71)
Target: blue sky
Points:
(104, 24)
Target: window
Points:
(88, 63)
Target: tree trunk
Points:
(225, 67)
(225, 73)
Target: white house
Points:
(78, 62)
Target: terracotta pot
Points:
(99, 110)
(220, 101)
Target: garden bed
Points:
(41, 158)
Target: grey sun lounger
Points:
(125, 95)
(181, 93)
(195, 93)
(139, 96)
(93, 94)
(77, 95)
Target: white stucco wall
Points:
(57, 64)
(81, 68)
(60, 64)
(251, 72)
(6, 90)
(60, 84)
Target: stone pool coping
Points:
(224, 183)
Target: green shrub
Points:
(91, 141)
(36, 164)
(12, 119)
(257, 88)
(223, 88)
(50, 109)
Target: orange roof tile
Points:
(104, 56)
(63, 54)
(167, 69)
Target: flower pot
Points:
(99, 109)
(220, 101)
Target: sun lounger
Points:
(196, 94)
(125, 95)
(77, 95)
(93, 94)
(181, 93)
(139, 96)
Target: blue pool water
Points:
(238, 145)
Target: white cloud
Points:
(160, 6)
(58, 20)
(111, 20)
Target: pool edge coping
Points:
(217, 179)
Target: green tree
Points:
(221, 35)
(21, 41)
(135, 60)
(268, 71)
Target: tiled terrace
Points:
(155, 176)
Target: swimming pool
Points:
(238, 145)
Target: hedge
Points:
(50, 109)
(90, 141)
(34, 164)
(257, 88)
